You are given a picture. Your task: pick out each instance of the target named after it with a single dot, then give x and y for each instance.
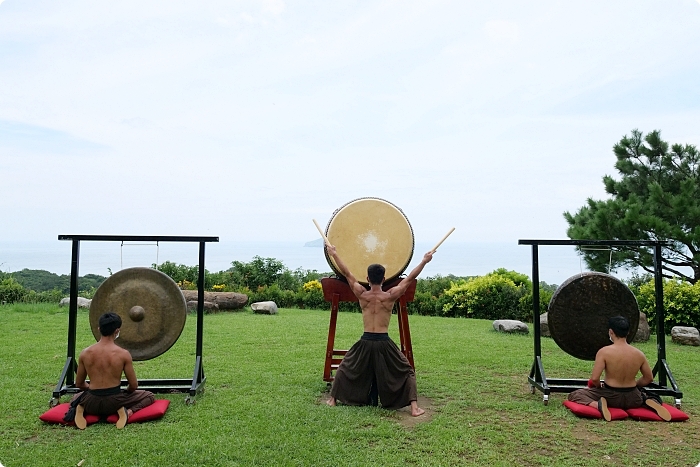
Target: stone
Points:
(265, 308)
(208, 306)
(224, 300)
(510, 325)
(685, 335)
(82, 302)
(544, 326)
(643, 331)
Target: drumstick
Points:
(443, 239)
(325, 239)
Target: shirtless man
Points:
(621, 363)
(105, 362)
(375, 359)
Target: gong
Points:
(580, 308)
(151, 306)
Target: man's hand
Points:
(428, 257)
(331, 250)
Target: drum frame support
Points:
(66, 380)
(336, 291)
(537, 378)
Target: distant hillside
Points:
(42, 281)
(318, 243)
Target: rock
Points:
(685, 335)
(544, 326)
(265, 308)
(82, 302)
(643, 331)
(224, 300)
(208, 306)
(510, 325)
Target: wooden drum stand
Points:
(336, 291)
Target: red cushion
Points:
(152, 412)
(56, 414)
(587, 411)
(648, 415)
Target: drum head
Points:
(580, 308)
(368, 231)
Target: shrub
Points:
(11, 291)
(681, 303)
(487, 297)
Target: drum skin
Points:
(151, 306)
(367, 231)
(580, 308)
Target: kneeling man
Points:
(375, 360)
(104, 363)
(621, 363)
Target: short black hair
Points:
(619, 325)
(375, 274)
(109, 322)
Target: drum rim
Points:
(373, 198)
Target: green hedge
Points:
(681, 303)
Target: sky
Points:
(245, 120)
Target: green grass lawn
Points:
(263, 400)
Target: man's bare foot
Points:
(331, 402)
(80, 421)
(415, 410)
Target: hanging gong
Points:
(151, 306)
(580, 308)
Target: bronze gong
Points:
(580, 308)
(151, 306)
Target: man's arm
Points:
(396, 292)
(130, 373)
(81, 375)
(355, 286)
(647, 376)
(598, 367)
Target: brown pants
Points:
(621, 398)
(104, 405)
(375, 361)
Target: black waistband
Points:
(613, 388)
(106, 391)
(375, 336)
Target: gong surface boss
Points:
(367, 231)
(580, 308)
(151, 306)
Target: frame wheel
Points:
(532, 389)
(678, 404)
(53, 402)
(190, 400)
(545, 399)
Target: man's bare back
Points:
(104, 363)
(621, 363)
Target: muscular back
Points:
(104, 363)
(376, 310)
(622, 364)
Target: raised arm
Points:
(355, 286)
(400, 289)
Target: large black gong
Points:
(580, 308)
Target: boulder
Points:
(224, 300)
(685, 335)
(544, 326)
(510, 325)
(264, 308)
(208, 306)
(643, 331)
(82, 302)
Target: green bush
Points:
(11, 291)
(681, 303)
(492, 296)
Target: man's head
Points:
(619, 325)
(375, 274)
(108, 323)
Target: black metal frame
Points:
(66, 381)
(537, 378)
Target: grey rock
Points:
(510, 325)
(82, 302)
(643, 331)
(265, 308)
(544, 326)
(685, 335)
(225, 300)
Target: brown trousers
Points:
(375, 361)
(621, 398)
(104, 405)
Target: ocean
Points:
(557, 263)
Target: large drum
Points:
(367, 231)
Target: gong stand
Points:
(66, 381)
(537, 378)
(336, 291)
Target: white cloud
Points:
(502, 31)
